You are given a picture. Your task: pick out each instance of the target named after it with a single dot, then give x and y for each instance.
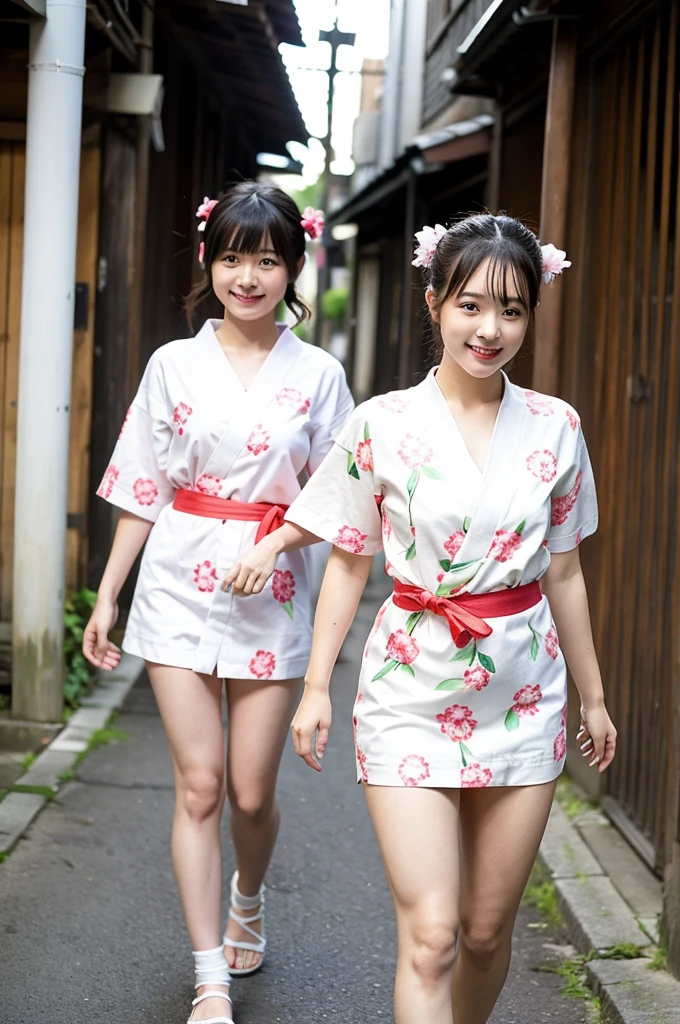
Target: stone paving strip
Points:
(43, 779)
(609, 900)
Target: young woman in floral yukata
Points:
(476, 489)
(208, 459)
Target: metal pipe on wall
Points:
(53, 126)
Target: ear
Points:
(429, 298)
(300, 265)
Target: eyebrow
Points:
(260, 252)
(513, 300)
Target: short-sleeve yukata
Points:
(192, 425)
(401, 478)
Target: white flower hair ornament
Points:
(428, 240)
(553, 262)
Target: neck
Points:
(247, 334)
(460, 388)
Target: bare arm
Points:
(343, 585)
(131, 535)
(565, 588)
(251, 572)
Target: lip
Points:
(483, 352)
(246, 300)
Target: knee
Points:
(484, 944)
(255, 806)
(201, 793)
(433, 950)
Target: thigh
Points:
(260, 713)
(190, 706)
(417, 832)
(501, 830)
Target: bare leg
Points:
(259, 719)
(417, 832)
(190, 707)
(501, 830)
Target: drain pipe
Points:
(55, 90)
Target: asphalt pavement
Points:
(92, 928)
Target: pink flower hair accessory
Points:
(313, 222)
(428, 240)
(553, 262)
(203, 213)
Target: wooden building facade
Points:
(585, 147)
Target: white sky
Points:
(307, 67)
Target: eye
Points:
(267, 261)
(230, 258)
(512, 313)
(470, 307)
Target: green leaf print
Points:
(409, 671)
(352, 466)
(466, 753)
(433, 474)
(466, 524)
(466, 653)
(387, 667)
(444, 590)
(486, 662)
(511, 721)
(411, 553)
(413, 481)
(451, 685)
(445, 564)
(288, 606)
(367, 432)
(535, 647)
(455, 566)
(520, 529)
(412, 621)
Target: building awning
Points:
(427, 152)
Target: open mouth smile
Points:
(484, 352)
(247, 300)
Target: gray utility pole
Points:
(336, 39)
(55, 101)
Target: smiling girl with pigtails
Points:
(207, 463)
(479, 493)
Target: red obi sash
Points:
(270, 517)
(466, 613)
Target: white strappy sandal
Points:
(213, 994)
(260, 943)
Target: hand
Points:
(597, 737)
(251, 572)
(312, 716)
(97, 647)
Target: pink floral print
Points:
(386, 525)
(263, 664)
(543, 465)
(526, 699)
(564, 716)
(453, 544)
(349, 538)
(413, 769)
(402, 648)
(180, 415)
(361, 761)
(258, 441)
(573, 419)
(364, 455)
(476, 678)
(283, 585)
(393, 401)
(109, 481)
(376, 626)
(552, 644)
(145, 491)
(504, 545)
(457, 723)
(207, 484)
(538, 405)
(560, 508)
(578, 538)
(205, 576)
(473, 776)
(293, 398)
(560, 746)
(414, 452)
(128, 414)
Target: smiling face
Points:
(250, 285)
(482, 326)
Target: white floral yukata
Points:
(401, 478)
(193, 426)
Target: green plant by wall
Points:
(334, 305)
(79, 672)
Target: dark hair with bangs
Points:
(513, 253)
(248, 214)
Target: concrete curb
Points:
(598, 919)
(18, 809)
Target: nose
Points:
(489, 327)
(247, 277)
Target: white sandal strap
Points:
(246, 902)
(214, 995)
(260, 943)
